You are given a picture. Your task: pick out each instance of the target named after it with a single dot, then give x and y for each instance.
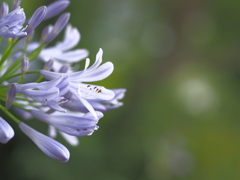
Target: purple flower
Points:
(15, 4)
(98, 105)
(85, 92)
(55, 8)
(11, 93)
(4, 9)
(49, 93)
(57, 28)
(61, 53)
(6, 131)
(70, 124)
(47, 145)
(11, 25)
(36, 18)
(72, 140)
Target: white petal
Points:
(71, 56)
(71, 39)
(72, 140)
(98, 74)
(98, 60)
(85, 103)
(96, 92)
(52, 132)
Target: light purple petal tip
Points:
(11, 94)
(6, 131)
(36, 18)
(57, 28)
(4, 9)
(55, 8)
(49, 146)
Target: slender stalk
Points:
(19, 74)
(16, 65)
(8, 50)
(9, 114)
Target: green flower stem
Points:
(39, 79)
(9, 114)
(34, 54)
(21, 79)
(19, 74)
(8, 50)
(3, 99)
(17, 64)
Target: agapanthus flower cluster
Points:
(40, 82)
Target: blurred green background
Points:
(180, 63)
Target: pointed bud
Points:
(15, 4)
(36, 19)
(6, 131)
(45, 33)
(55, 8)
(11, 94)
(58, 26)
(3, 9)
(49, 146)
(25, 65)
(64, 68)
(48, 66)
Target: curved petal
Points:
(71, 39)
(72, 140)
(85, 103)
(96, 92)
(72, 56)
(98, 60)
(98, 74)
(6, 131)
(48, 145)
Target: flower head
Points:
(52, 91)
(84, 92)
(11, 25)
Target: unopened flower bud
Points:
(48, 66)
(11, 94)
(15, 4)
(45, 33)
(6, 131)
(49, 146)
(36, 18)
(25, 65)
(64, 68)
(57, 28)
(3, 9)
(55, 8)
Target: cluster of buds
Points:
(60, 96)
